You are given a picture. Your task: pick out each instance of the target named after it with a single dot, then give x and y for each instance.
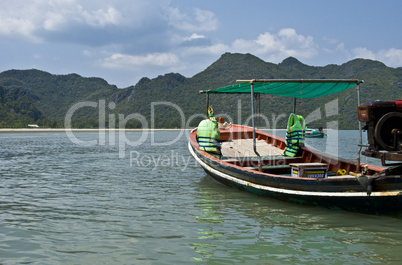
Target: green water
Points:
(150, 203)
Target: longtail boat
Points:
(254, 160)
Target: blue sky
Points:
(125, 40)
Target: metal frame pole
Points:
(253, 124)
(360, 123)
(207, 103)
(360, 133)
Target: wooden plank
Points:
(304, 165)
(270, 167)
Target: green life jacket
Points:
(294, 134)
(208, 136)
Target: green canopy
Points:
(299, 88)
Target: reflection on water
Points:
(208, 216)
(245, 227)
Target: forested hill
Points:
(173, 101)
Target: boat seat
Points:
(342, 177)
(270, 167)
(278, 160)
(263, 158)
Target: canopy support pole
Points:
(253, 124)
(294, 105)
(207, 103)
(358, 168)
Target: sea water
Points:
(84, 202)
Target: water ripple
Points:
(66, 204)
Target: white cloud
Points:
(124, 61)
(215, 49)
(87, 53)
(194, 36)
(201, 20)
(330, 40)
(207, 20)
(133, 27)
(18, 28)
(32, 19)
(391, 57)
(101, 17)
(278, 46)
(177, 39)
(17, 21)
(363, 53)
(340, 48)
(53, 21)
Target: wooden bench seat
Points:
(265, 160)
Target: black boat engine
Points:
(384, 129)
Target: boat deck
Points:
(244, 148)
(240, 152)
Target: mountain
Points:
(52, 95)
(16, 107)
(173, 101)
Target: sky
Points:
(122, 41)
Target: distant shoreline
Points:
(41, 130)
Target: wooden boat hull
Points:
(335, 192)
